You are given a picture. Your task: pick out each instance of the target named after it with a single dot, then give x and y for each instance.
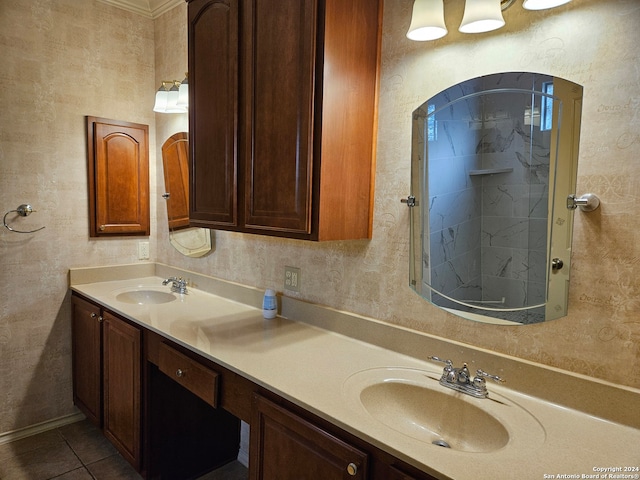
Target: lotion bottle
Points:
(269, 304)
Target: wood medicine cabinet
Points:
(118, 167)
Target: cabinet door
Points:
(287, 447)
(86, 337)
(213, 112)
(118, 177)
(280, 84)
(175, 166)
(121, 357)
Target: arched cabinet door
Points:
(118, 167)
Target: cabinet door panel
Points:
(86, 357)
(175, 166)
(287, 447)
(278, 171)
(118, 177)
(213, 111)
(121, 357)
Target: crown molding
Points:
(146, 8)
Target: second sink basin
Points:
(434, 417)
(413, 404)
(145, 297)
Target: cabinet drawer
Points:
(193, 376)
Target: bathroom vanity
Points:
(191, 366)
(174, 413)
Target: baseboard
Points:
(14, 435)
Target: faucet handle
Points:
(448, 363)
(482, 373)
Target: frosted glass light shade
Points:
(183, 94)
(542, 4)
(161, 100)
(172, 101)
(481, 16)
(427, 20)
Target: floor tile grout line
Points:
(84, 466)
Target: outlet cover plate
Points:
(292, 279)
(143, 250)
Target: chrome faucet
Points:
(178, 285)
(460, 379)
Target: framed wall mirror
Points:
(192, 242)
(494, 159)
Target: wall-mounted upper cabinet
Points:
(118, 167)
(283, 116)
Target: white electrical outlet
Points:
(292, 279)
(143, 250)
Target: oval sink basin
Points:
(412, 403)
(145, 297)
(434, 417)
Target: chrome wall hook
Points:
(587, 202)
(23, 210)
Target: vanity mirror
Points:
(494, 159)
(192, 242)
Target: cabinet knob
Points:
(94, 315)
(179, 373)
(102, 227)
(352, 469)
(100, 319)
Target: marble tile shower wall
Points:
(488, 233)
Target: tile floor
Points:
(78, 451)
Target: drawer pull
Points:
(352, 469)
(180, 373)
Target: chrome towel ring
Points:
(23, 210)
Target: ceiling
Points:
(147, 8)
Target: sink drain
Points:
(441, 443)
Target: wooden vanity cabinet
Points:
(107, 375)
(86, 338)
(283, 99)
(289, 443)
(121, 353)
(191, 409)
(288, 447)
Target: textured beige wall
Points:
(65, 59)
(61, 60)
(593, 43)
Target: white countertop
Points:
(315, 368)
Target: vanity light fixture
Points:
(161, 98)
(183, 94)
(427, 19)
(481, 16)
(172, 97)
